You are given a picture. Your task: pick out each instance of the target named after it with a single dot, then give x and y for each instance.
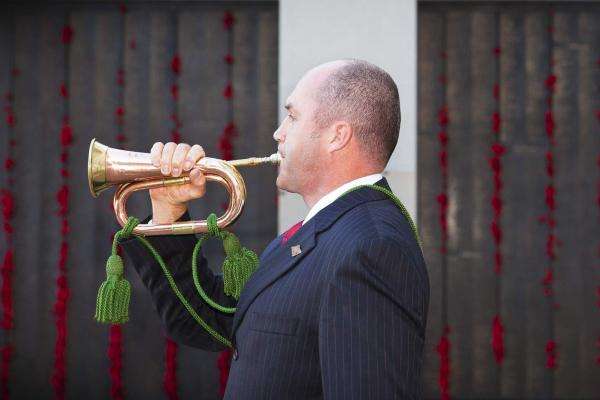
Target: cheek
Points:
(291, 139)
(299, 148)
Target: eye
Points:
(291, 117)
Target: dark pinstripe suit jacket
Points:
(344, 319)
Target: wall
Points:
(383, 32)
(546, 291)
(30, 40)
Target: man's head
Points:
(343, 120)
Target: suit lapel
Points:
(276, 260)
(274, 264)
(271, 247)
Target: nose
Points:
(278, 134)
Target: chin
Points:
(282, 184)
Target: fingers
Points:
(195, 154)
(156, 153)
(173, 158)
(166, 157)
(179, 156)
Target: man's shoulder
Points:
(374, 236)
(374, 223)
(379, 218)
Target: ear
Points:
(341, 135)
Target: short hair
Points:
(365, 96)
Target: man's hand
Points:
(170, 203)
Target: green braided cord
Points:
(238, 266)
(398, 203)
(179, 295)
(213, 228)
(124, 233)
(208, 300)
(112, 302)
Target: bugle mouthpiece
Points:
(274, 158)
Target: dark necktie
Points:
(290, 232)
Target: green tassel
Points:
(239, 263)
(112, 303)
(238, 266)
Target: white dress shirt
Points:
(335, 193)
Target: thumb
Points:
(198, 182)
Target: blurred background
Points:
(498, 161)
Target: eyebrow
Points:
(290, 107)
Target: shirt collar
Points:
(334, 194)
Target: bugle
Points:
(131, 171)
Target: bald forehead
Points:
(310, 83)
(320, 73)
(314, 78)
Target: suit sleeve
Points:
(176, 251)
(372, 324)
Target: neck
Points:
(333, 180)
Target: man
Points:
(338, 308)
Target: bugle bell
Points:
(132, 171)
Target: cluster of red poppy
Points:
(442, 198)
(7, 202)
(495, 162)
(115, 357)
(176, 69)
(58, 378)
(443, 346)
(443, 350)
(550, 201)
(170, 375)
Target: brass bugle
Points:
(131, 171)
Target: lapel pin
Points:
(296, 250)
